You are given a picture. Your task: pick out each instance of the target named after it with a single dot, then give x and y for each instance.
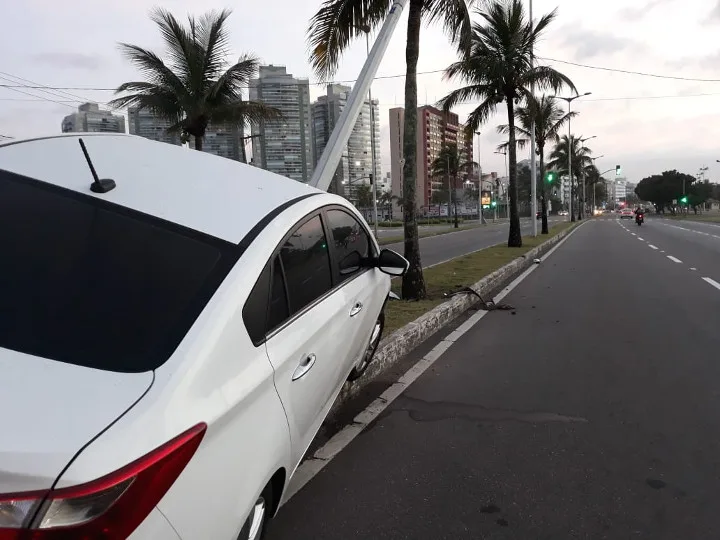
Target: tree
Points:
(198, 86)
(331, 31)
(581, 163)
(662, 189)
(450, 165)
(363, 194)
(699, 193)
(499, 67)
(548, 118)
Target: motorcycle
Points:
(639, 218)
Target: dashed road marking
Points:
(653, 247)
(641, 239)
(693, 269)
(674, 259)
(712, 282)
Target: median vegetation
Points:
(454, 275)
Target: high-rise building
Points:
(91, 119)
(223, 141)
(144, 123)
(434, 129)
(283, 146)
(356, 163)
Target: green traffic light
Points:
(684, 200)
(550, 177)
(493, 204)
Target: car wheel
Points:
(256, 522)
(372, 346)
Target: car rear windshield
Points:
(95, 284)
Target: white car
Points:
(563, 213)
(173, 334)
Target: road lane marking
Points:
(641, 239)
(313, 465)
(633, 234)
(674, 259)
(653, 247)
(662, 251)
(712, 282)
(693, 269)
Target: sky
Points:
(645, 124)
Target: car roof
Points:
(211, 194)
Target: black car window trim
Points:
(230, 252)
(336, 283)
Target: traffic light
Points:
(684, 199)
(493, 204)
(617, 170)
(550, 177)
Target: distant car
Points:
(563, 213)
(173, 336)
(538, 215)
(627, 213)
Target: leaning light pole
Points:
(569, 149)
(330, 158)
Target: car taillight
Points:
(107, 508)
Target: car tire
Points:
(256, 523)
(372, 346)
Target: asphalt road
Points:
(441, 248)
(591, 412)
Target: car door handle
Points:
(304, 367)
(357, 308)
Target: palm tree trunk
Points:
(198, 142)
(413, 283)
(514, 236)
(544, 229)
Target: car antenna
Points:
(99, 185)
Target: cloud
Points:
(69, 59)
(714, 15)
(637, 13)
(706, 62)
(586, 44)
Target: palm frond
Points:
(335, 25)
(152, 67)
(229, 87)
(455, 18)
(214, 39)
(545, 77)
(185, 58)
(480, 114)
(243, 112)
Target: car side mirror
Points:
(392, 263)
(351, 263)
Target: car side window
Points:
(255, 310)
(306, 264)
(348, 236)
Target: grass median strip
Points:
(712, 218)
(455, 274)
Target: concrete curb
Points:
(403, 340)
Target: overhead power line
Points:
(630, 72)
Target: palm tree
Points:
(331, 31)
(451, 163)
(548, 118)
(500, 68)
(580, 161)
(198, 86)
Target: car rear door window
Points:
(95, 284)
(278, 311)
(348, 235)
(306, 263)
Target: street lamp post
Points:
(533, 164)
(569, 102)
(480, 214)
(507, 200)
(583, 207)
(594, 205)
(374, 173)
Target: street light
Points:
(366, 29)
(594, 205)
(507, 198)
(479, 161)
(582, 171)
(569, 102)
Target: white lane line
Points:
(641, 239)
(693, 269)
(651, 246)
(662, 251)
(674, 259)
(712, 282)
(311, 466)
(631, 232)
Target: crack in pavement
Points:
(431, 411)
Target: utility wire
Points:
(41, 87)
